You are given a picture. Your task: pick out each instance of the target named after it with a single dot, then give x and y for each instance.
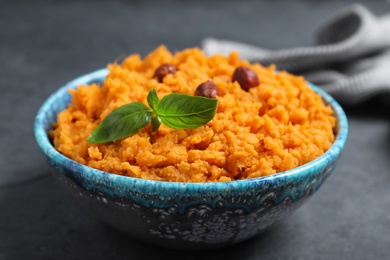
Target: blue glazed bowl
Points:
(185, 215)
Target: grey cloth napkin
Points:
(351, 59)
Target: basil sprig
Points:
(177, 111)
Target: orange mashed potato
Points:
(276, 126)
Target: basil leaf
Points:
(156, 122)
(152, 98)
(122, 122)
(179, 111)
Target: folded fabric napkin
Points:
(351, 59)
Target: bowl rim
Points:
(98, 176)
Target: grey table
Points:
(44, 44)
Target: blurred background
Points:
(44, 44)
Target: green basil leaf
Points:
(156, 122)
(179, 111)
(152, 98)
(122, 122)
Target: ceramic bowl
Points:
(185, 215)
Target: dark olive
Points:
(207, 89)
(246, 77)
(164, 70)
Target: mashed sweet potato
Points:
(276, 126)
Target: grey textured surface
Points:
(43, 44)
